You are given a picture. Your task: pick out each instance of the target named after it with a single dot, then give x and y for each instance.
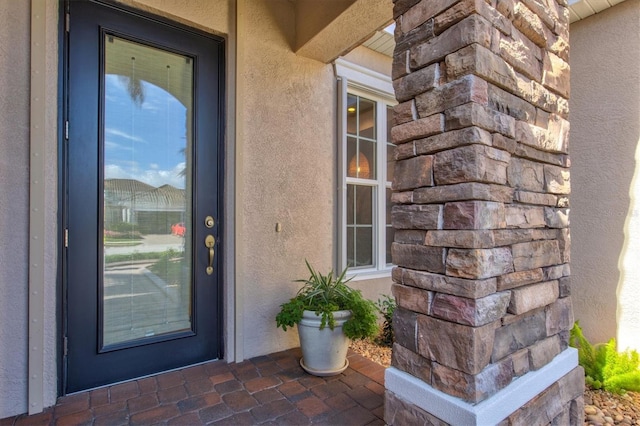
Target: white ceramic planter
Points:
(324, 352)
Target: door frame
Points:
(63, 184)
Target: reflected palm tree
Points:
(183, 153)
(134, 87)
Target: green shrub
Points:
(122, 227)
(122, 231)
(605, 367)
(134, 256)
(170, 267)
(325, 294)
(386, 306)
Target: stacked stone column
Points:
(482, 201)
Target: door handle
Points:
(209, 242)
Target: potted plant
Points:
(328, 313)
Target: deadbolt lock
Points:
(209, 222)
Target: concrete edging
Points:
(491, 411)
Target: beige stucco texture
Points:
(14, 204)
(210, 16)
(286, 127)
(287, 139)
(15, 208)
(605, 174)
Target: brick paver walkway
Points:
(271, 390)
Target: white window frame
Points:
(357, 80)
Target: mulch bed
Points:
(600, 407)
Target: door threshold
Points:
(142, 377)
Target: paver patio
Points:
(270, 389)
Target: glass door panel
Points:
(147, 267)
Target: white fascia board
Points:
(363, 77)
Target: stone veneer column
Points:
(482, 231)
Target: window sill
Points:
(370, 274)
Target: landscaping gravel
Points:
(605, 408)
(600, 407)
(370, 350)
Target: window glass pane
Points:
(364, 205)
(352, 158)
(390, 234)
(367, 118)
(366, 167)
(366, 242)
(352, 124)
(364, 246)
(351, 202)
(148, 108)
(351, 254)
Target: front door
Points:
(143, 204)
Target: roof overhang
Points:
(580, 9)
(382, 41)
(324, 34)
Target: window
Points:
(366, 171)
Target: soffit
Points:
(382, 42)
(580, 9)
(334, 36)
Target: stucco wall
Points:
(50, 214)
(15, 211)
(605, 158)
(210, 15)
(14, 204)
(288, 133)
(311, 19)
(288, 124)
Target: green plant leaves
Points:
(386, 306)
(604, 366)
(325, 294)
(290, 313)
(364, 322)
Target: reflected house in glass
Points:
(152, 210)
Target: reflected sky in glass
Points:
(143, 140)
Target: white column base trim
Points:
(491, 411)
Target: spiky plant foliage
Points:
(605, 367)
(325, 294)
(386, 306)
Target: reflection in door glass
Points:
(148, 109)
